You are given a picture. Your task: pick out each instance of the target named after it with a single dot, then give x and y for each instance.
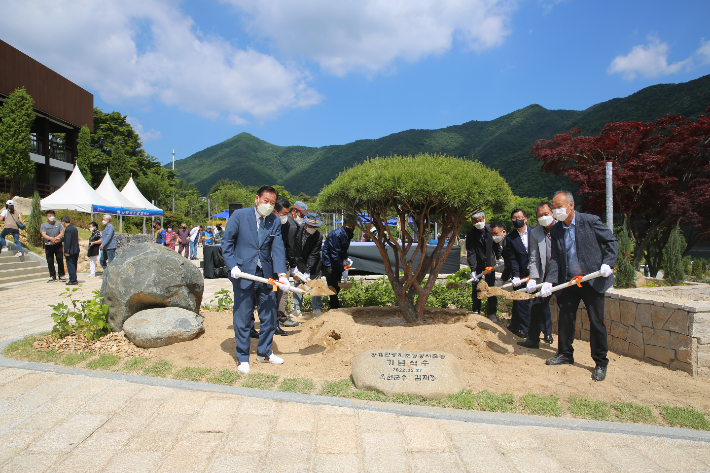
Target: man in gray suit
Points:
(580, 245)
(540, 249)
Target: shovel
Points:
(578, 280)
(275, 283)
(345, 285)
(453, 285)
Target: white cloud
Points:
(704, 52)
(146, 49)
(649, 60)
(370, 35)
(150, 135)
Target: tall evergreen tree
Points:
(34, 237)
(16, 119)
(83, 158)
(673, 271)
(625, 272)
(120, 168)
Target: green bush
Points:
(89, 316)
(673, 271)
(625, 274)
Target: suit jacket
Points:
(240, 245)
(335, 250)
(518, 255)
(481, 254)
(71, 240)
(288, 232)
(308, 259)
(538, 251)
(590, 234)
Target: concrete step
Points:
(6, 273)
(27, 277)
(16, 263)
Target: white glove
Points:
(345, 276)
(516, 282)
(307, 276)
(348, 262)
(473, 276)
(294, 271)
(501, 261)
(606, 270)
(499, 283)
(531, 286)
(545, 290)
(236, 272)
(283, 280)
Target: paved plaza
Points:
(62, 419)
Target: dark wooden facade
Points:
(61, 108)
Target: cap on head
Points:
(10, 202)
(209, 227)
(478, 213)
(313, 219)
(300, 206)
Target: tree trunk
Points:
(406, 307)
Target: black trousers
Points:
(520, 318)
(50, 252)
(540, 318)
(332, 279)
(492, 305)
(72, 261)
(568, 301)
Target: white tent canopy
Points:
(131, 192)
(75, 194)
(108, 190)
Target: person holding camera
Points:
(13, 225)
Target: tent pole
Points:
(120, 224)
(144, 225)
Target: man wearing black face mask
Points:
(335, 257)
(518, 250)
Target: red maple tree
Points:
(661, 176)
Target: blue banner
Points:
(127, 212)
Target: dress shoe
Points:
(289, 323)
(273, 359)
(560, 359)
(530, 344)
(549, 339)
(599, 373)
(519, 333)
(243, 367)
(254, 334)
(73, 283)
(280, 331)
(493, 318)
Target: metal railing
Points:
(15, 187)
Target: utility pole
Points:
(609, 197)
(173, 187)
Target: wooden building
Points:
(61, 108)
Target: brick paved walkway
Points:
(62, 419)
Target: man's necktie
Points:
(262, 232)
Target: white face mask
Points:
(497, 238)
(560, 214)
(545, 220)
(264, 209)
(299, 220)
(105, 222)
(51, 219)
(284, 219)
(311, 230)
(480, 225)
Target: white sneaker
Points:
(18, 254)
(295, 313)
(243, 367)
(273, 359)
(317, 313)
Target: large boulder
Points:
(152, 328)
(429, 374)
(149, 276)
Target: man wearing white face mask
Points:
(540, 248)
(281, 210)
(252, 244)
(309, 243)
(481, 252)
(581, 245)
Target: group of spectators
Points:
(184, 239)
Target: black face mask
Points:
(519, 223)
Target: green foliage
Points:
(159, 369)
(227, 192)
(488, 401)
(685, 417)
(260, 381)
(72, 359)
(341, 388)
(191, 373)
(625, 274)
(16, 118)
(34, 237)
(673, 270)
(226, 377)
(223, 299)
(119, 169)
(589, 408)
(296, 385)
(89, 316)
(538, 405)
(84, 153)
(137, 363)
(631, 412)
(699, 268)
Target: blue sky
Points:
(316, 72)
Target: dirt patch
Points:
(322, 348)
(114, 343)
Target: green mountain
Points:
(503, 143)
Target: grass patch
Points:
(686, 417)
(72, 359)
(368, 395)
(630, 412)
(103, 362)
(412, 400)
(342, 388)
(260, 381)
(24, 350)
(135, 364)
(589, 408)
(226, 377)
(541, 405)
(296, 385)
(159, 369)
(464, 400)
(190, 373)
(488, 401)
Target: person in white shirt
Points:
(194, 238)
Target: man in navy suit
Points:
(517, 245)
(581, 245)
(252, 244)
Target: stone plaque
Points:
(429, 374)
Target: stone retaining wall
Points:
(669, 326)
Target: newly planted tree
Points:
(429, 189)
